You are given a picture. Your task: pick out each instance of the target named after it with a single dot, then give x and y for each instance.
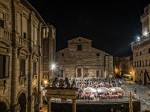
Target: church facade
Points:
(81, 60)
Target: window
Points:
(146, 63)
(24, 35)
(34, 34)
(62, 54)
(4, 66)
(97, 73)
(61, 73)
(25, 26)
(1, 20)
(79, 47)
(34, 68)
(149, 50)
(79, 72)
(19, 23)
(97, 54)
(22, 67)
(140, 63)
(140, 53)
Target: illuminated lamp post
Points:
(145, 33)
(53, 67)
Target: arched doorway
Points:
(22, 102)
(3, 107)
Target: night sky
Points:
(111, 24)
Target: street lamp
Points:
(53, 67)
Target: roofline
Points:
(26, 3)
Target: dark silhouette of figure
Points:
(73, 85)
(67, 82)
(146, 76)
(55, 82)
(135, 90)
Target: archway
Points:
(3, 107)
(22, 102)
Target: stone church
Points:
(81, 60)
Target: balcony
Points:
(5, 35)
(22, 41)
(3, 83)
(22, 80)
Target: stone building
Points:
(141, 49)
(80, 60)
(21, 32)
(124, 65)
(49, 49)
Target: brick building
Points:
(80, 59)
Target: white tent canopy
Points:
(102, 90)
(116, 89)
(89, 89)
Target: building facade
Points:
(81, 60)
(22, 30)
(49, 50)
(124, 65)
(141, 49)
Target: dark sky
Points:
(111, 24)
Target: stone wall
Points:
(20, 47)
(80, 59)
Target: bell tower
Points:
(145, 19)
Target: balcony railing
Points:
(5, 35)
(3, 84)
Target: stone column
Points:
(40, 102)
(73, 105)
(30, 97)
(14, 80)
(14, 106)
(49, 105)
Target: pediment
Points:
(23, 51)
(4, 44)
(80, 40)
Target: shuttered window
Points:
(22, 67)
(4, 66)
(1, 20)
(34, 68)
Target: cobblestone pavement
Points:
(142, 91)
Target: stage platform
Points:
(100, 105)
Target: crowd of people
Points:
(94, 84)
